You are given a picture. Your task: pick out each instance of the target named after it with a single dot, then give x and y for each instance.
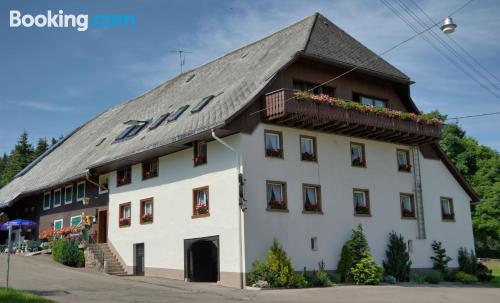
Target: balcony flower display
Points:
(198, 160)
(358, 161)
(356, 106)
(147, 217)
(69, 231)
(124, 221)
(405, 167)
(408, 213)
(362, 210)
(201, 209)
(308, 206)
(305, 156)
(274, 152)
(277, 204)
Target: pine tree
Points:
(19, 158)
(398, 261)
(41, 147)
(440, 259)
(358, 245)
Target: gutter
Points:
(241, 209)
(87, 178)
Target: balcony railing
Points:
(282, 108)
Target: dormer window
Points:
(368, 100)
(133, 128)
(314, 88)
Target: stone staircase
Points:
(103, 254)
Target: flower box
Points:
(201, 209)
(448, 216)
(125, 221)
(146, 218)
(308, 206)
(408, 213)
(362, 210)
(358, 162)
(198, 160)
(277, 204)
(308, 157)
(276, 153)
(404, 167)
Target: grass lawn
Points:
(495, 266)
(16, 296)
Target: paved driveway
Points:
(43, 276)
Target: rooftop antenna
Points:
(182, 57)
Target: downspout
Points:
(87, 178)
(239, 156)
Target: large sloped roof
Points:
(237, 77)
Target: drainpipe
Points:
(239, 156)
(87, 178)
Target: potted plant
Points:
(407, 213)
(308, 206)
(277, 204)
(274, 152)
(405, 167)
(201, 209)
(124, 221)
(147, 217)
(449, 216)
(362, 210)
(305, 156)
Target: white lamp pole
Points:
(9, 247)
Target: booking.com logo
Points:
(61, 20)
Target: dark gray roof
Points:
(237, 77)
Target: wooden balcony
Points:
(281, 108)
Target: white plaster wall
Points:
(337, 179)
(172, 192)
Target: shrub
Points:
(466, 278)
(320, 278)
(434, 277)
(57, 249)
(277, 269)
(398, 261)
(467, 262)
(440, 259)
(418, 278)
(352, 252)
(390, 279)
(335, 278)
(483, 273)
(366, 272)
(451, 275)
(67, 252)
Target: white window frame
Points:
(129, 207)
(314, 243)
(146, 203)
(103, 191)
(277, 136)
(309, 140)
(448, 201)
(50, 200)
(71, 220)
(62, 223)
(364, 198)
(405, 153)
(271, 184)
(60, 198)
(65, 198)
(79, 199)
(409, 201)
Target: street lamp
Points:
(448, 26)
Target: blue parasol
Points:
(18, 223)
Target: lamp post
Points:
(9, 248)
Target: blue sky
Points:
(53, 80)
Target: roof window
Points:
(202, 104)
(190, 77)
(135, 126)
(158, 121)
(177, 113)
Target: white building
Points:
(215, 163)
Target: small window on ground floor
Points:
(361, 202)
(125, 214)
(201, 202)
(147, 211)
(447, 210)
(314, 243)
(58, 224)
(276, 195)
(75, 220)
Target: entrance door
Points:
(103, 226)
(139, 259)
(202, 259)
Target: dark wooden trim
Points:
(120, 213)
(196, 144)
(367, 197)
(125, 168)
(195, 191)
(142, 202)
(144, 178)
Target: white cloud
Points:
(41, 106)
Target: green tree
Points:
(19, 158)
(440, 259)
(41, 147)
(397, 263)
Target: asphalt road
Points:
(41, 275)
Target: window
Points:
(57, 197)
(177, 113)
(58, 224)
(46, 200)
(409, 246)
(103, 184)
(361, 202)
(308, 149)
(308, 86)
(200, 153)
(273, 144)
(135, 126)
(146, 211)
(202, 104)
(276, 196)
(125, 214)
(75, 220)
(124, 176)
(68, 194)
(150, 169)
(447, 211)
(367, 100)
(358, 155)
(311, 195)
(200, 202)
(190, 77)
(407, 206)
(403, 160)
(314, 243)
(80, 191)
(158, 121)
